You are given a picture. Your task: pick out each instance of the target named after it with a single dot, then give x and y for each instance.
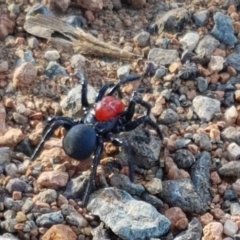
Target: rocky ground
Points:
(192, 190)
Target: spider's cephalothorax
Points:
(108, 116)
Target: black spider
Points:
(109, 116)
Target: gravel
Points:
(185, 186)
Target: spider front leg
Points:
(83, 79)
(95, 162)
(49, 129)
(115, 87)
(141, 120)
(102, 91)
(130, 78)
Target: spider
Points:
(106, 118)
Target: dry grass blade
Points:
(45, 26)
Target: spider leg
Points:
(141, 120)
(95, 162)
(103, 90)
(115, 87)
(83, 79)
(49, 129)
(130, 78)
(128, 114)
(124, 143)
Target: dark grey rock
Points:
(122, 182)
(159, 174)
(233, 60)
(150, 68)
(28, 205)
(5, 156)
(194, 231)
(168, 236)
(207, 45)
(76, 219)
(153, 200)
(24, 147)
(168, 116)
(49, 219)
(11, 170)
(230, 195)
(143, 148)
(181, 193)
(203, 141)
(183, 158)
(188, 71)
(162, 56)
(48, 196)
(186, 56)
(16, 184)
(66, 209)
(231, 134)
(230, 169)
(236, 237)
(223, 29)
(166, 93)
(54, 69)
(142, 39)
(200, 175)
(15, 205)
(173, 20)
(119, 211)
(202, 84)
(73, 217)
(160, 72)
(228, 100)
(182, 143)
(200, 18)
(117, 4)
(228, 3)
(76, 187)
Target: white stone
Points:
(230, 228)
(3, 66)
(123, 71)
(72, 105)
(52, 55)
(206, 107)
(77, 61)
(154, 186)
(231, 115)
(216, 63)
(234, 149)
(189, 41)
